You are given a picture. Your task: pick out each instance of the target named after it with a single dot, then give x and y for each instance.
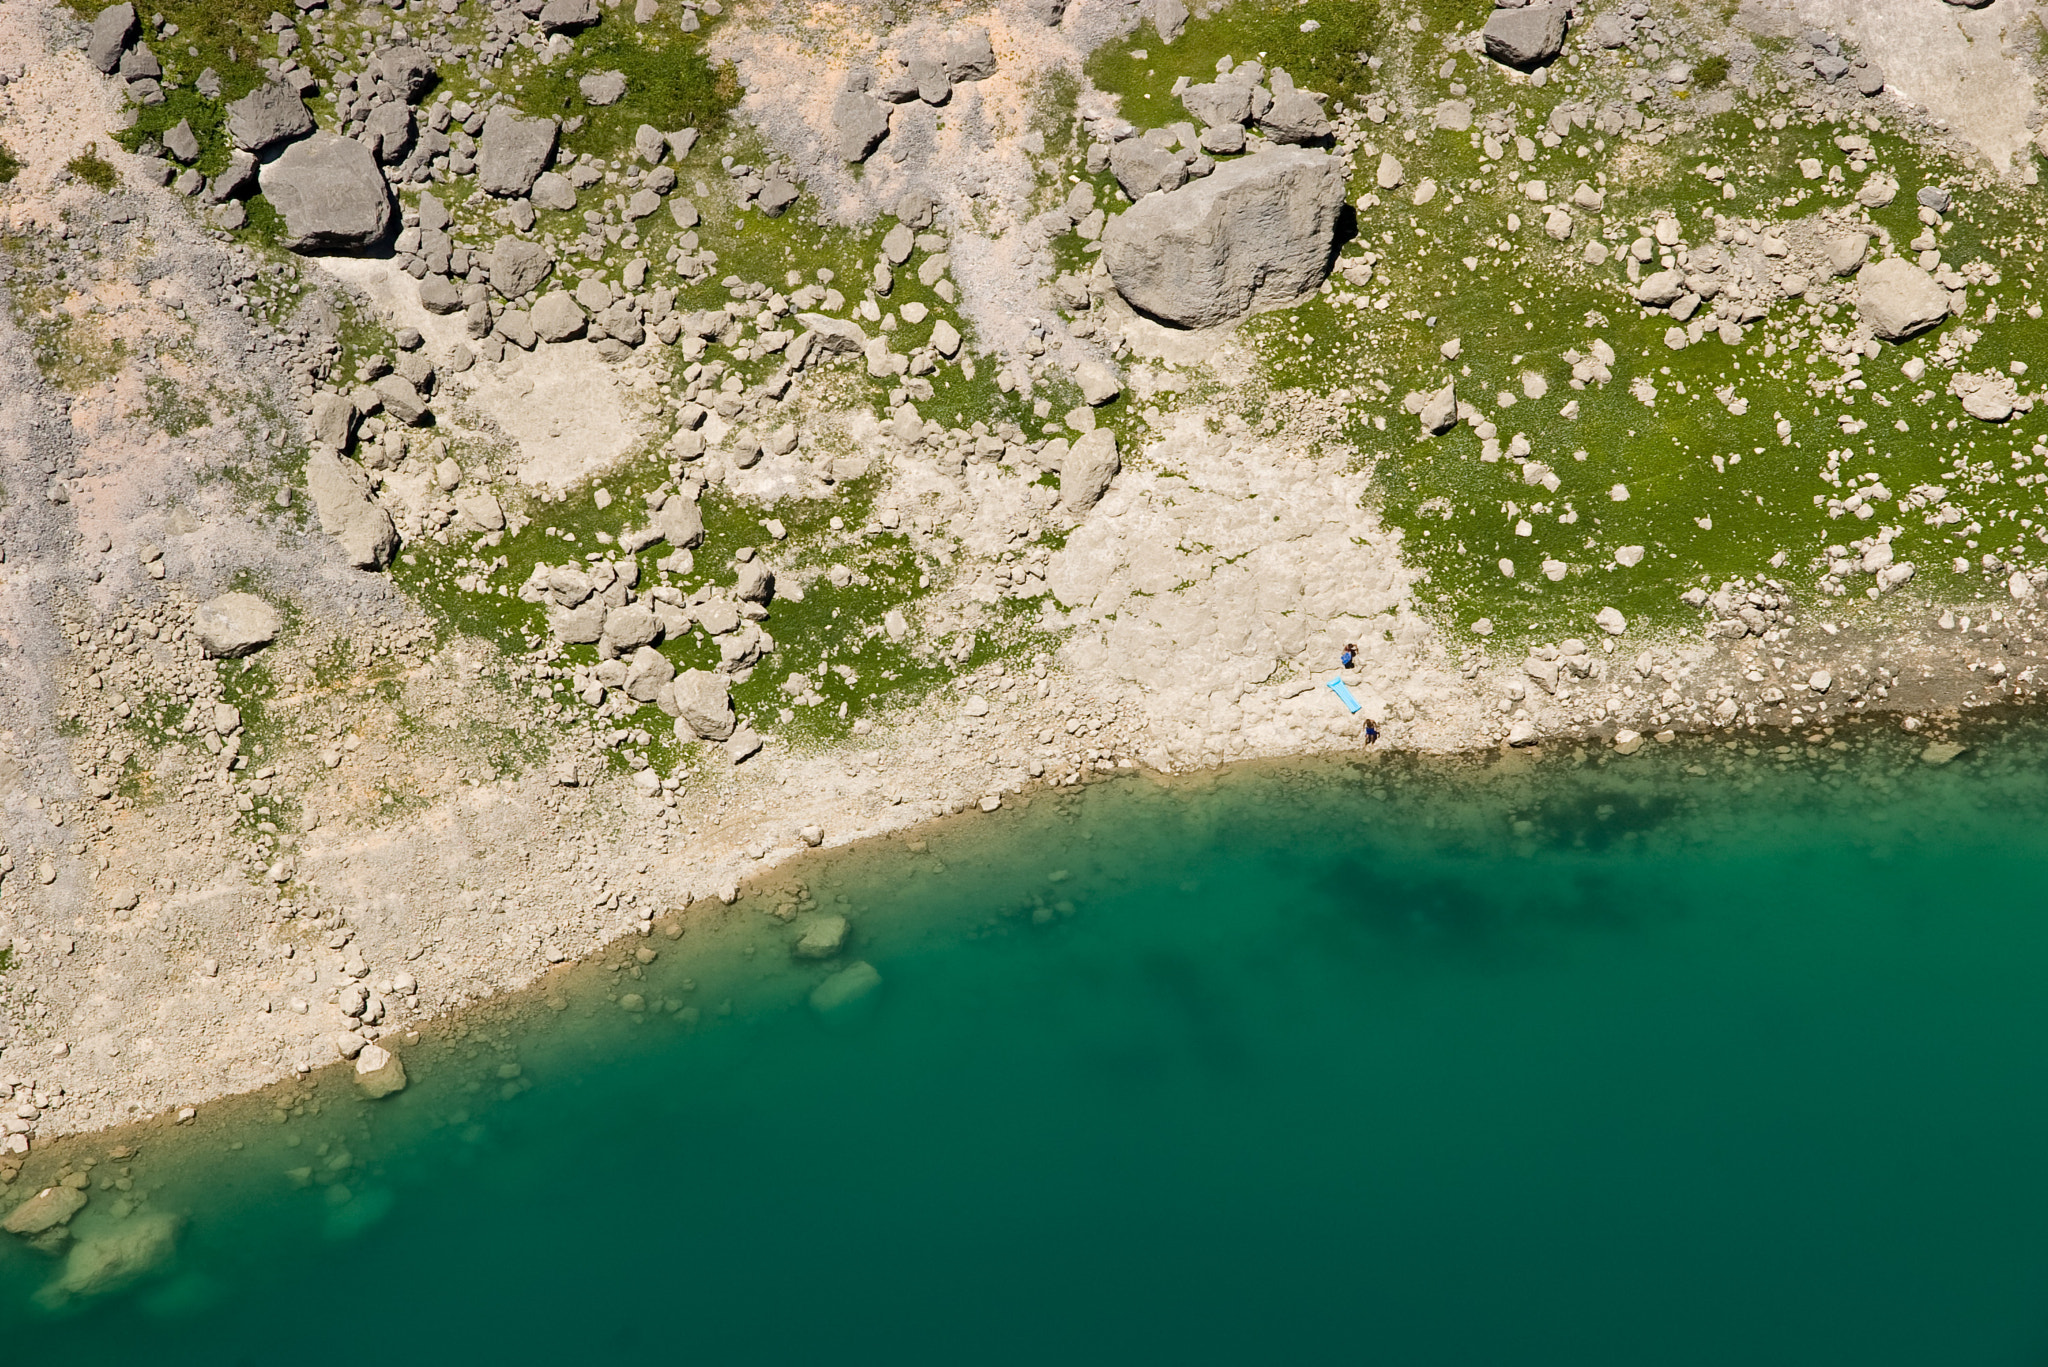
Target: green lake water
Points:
(1697, 1057)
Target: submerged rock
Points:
(44, 1211)
(109, 1261)
(825, 937)
(1258, 231)
(847, 995)
(379, 1072)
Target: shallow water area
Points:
(1711, 1053)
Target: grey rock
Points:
(235, 624)
(603, 87)
(582, 625)
(378, 1072)
(389, 131)
(681, 523)
(1869, 78)
(330, 193)
(513, 151)
(859, 123)
(1439, 413)
(629, 628)
(1525, 38)
(556, 318)
(776, 197)
(113, 28)
(756, 583)
(703, 702)
(239, 180)
(1845, 253)
(1141, 166)
(333, 421)
(439, 295)
(181, 142)
(481, 508)
(742, 745)
(1098, 382)
(647, 673)
(1087, 469)
(1217, 103)
(138, 63)
(839, 335)
(1259, 231)
(1295, 116)
(408, 70)
(401, 401)
(517, 266)
(1935, 197)
(268, 116)
(558, 16)
(552, 190)
(341, 499)
(1660, 289)
(50, 1207)
(1170, 18)
(967, 55)
(1899, 300)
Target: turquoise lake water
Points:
(1698, 1057)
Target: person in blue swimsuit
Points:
(1350, 654)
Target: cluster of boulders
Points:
(860, 116)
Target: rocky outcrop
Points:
(1257, 232)
(1899, 300)
(235, 624)
(113, 29)
(331, 194)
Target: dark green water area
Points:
(1714, 1054)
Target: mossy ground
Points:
(1712, 495)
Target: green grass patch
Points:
(10, 165)
(94, 169)
(670, 83)
(1331, 57)
(172, 409)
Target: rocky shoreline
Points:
(446, 540)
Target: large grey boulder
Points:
(389, 131)
(859, 123)
(513, 151)
(235, 624)
(552, 190)
(1087, 469)
(113, 29)
(703, 705)
(681, 523)
(1259, 231)
(1525, 38)
(1899, 299)
(518, 266)
(341, 499)
(267, 116)
(331, 194)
